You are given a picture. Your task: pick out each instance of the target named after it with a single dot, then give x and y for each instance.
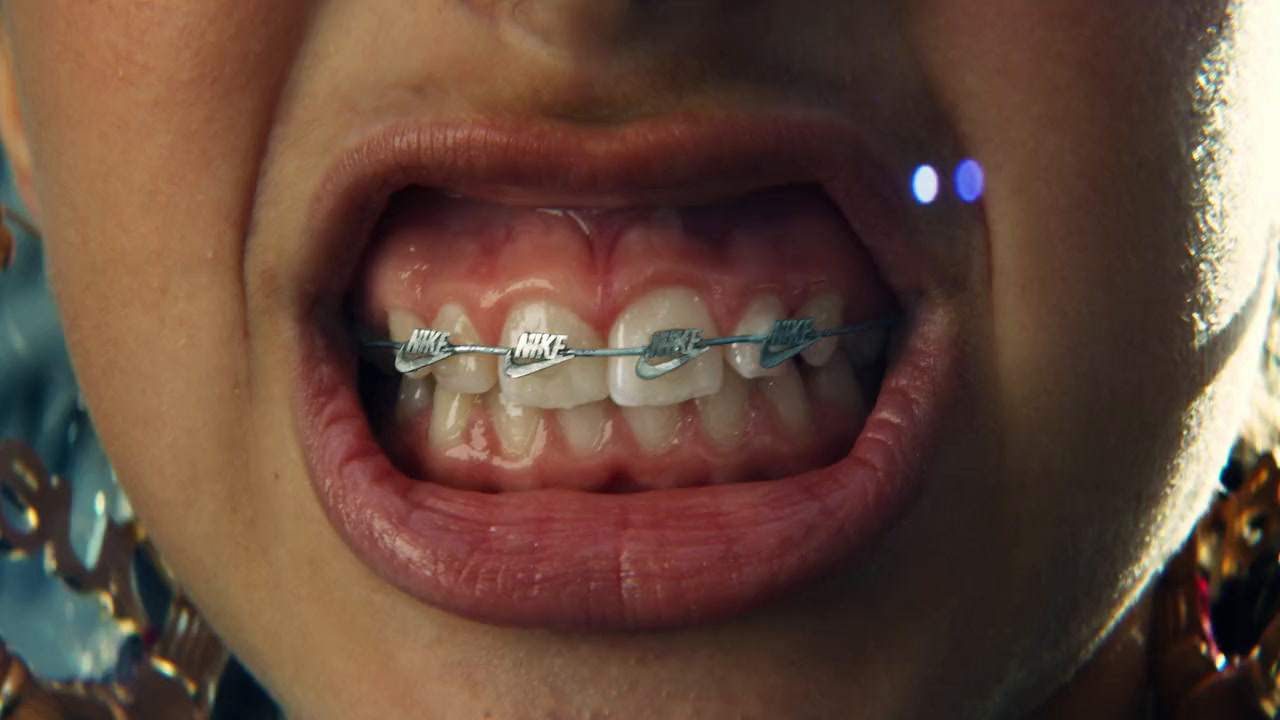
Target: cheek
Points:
(1117, 401)
(1117, 394)
(1089, 198)
(145, 201)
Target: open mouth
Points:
(488, 273)
(527, 477)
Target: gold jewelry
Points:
(1237, 542)
(177, 673)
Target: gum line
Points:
(536, 351)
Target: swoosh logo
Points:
(513, 369)
(648, 371)
(787, 338)
(424, 347)
(680, 345)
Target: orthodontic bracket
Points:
(667, 349)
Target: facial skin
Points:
(1111, 332)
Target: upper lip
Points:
(674, 160)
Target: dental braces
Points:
(667, 349)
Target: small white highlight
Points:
(924, 184)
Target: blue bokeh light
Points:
(969, 180)
(924, 183)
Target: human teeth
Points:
(723, 415)
(400, 324)
(472, 373)
(785, 394)
(863, 348)
(449, 412)
(584, 427)
(757, 319)
(414, 397)
(664, 309)
(833, 385)
(515, 425)
(569, 384)
(826, 310)
(652, 427)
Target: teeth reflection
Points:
(786, 397)
(757, 319)
(583, 427)
(449, 411)
(652, 427)
(826, 310)
(723, 415)
(466, 373)
(515, 425)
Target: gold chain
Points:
(176, 676)
(1194, 678)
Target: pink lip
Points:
(562, 559)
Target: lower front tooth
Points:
(834, 386)
(515, 425)
(723, 415)
(785, 394)
(585, 428)
(415, 396)
(449, 411)
(653, 427)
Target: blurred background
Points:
(59, 633)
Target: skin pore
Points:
(1111, 288)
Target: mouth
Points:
(597, 493)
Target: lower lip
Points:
(660, 559)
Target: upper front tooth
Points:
(826, 310)
(472, 373)
(664, 309)
(400, 324)
(757, 319)
(569, 384)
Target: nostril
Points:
(568, 26)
